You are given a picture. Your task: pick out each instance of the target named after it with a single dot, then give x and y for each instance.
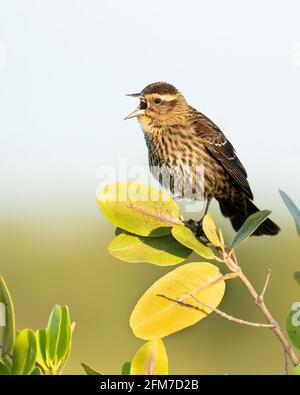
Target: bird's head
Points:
(160, 102)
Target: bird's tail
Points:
(238, 213)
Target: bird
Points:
(182, 140)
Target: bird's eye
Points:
(157, 100)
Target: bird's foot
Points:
(199, 231)
(190, 223)
(195, 226)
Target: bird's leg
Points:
(199, 225)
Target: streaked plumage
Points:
(181, 140)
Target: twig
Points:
(262, 294)
(286, 362)
(230, 317)
(184, 303)
(231, 262)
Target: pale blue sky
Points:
(69, 65)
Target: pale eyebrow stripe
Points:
(164, 97)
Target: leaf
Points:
(139, 209)
(58, 336)
(90, 371)
(210, 230)
(162, 251)
(8, 331)
(36, 372)
(296, 370)
(53, 334)
(41, 340)
(4, 369)
(294, 210)
(297, 277)
(249, 226)
(150, 359)
(293, 324)
(186, 237)
(155, 317)
(126, 369)
(24, 354)
(64, 341)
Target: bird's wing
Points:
(221, 149)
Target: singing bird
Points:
(180, 137)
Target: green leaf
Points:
(41, 339)
(25, 352)
(150, 359)
(58, 336)
(53, 331)
(126, 369)
(139, 209)
(162, 251)
(36, 372)
(90, 371)
(293, 324)
(186, 237)
(249, 226)
(294, 210)
(296, 370)
(297, 277)
(210, 230)
(8, 331)
(65, 333)
(4, 369)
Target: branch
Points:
(231, 262)
(182, 302)
(230, 317)
(262, 294)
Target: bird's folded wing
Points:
(222, 150)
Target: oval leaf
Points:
(126, 368)
(210, 230)
(36, 372)
(162, 251)
(25, 352)
(292, 208)
(249, 226)
(41, 340)
(297, 277)
(8, 331)
(158, 313)
(90, 371)
(65, 333)
(293, 324)
(139, 209)
(186, 237)
(53, 334)
(150, 359)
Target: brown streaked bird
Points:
(180, 137)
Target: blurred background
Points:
(65, 67)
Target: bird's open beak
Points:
(141, 109)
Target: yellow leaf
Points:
(150, 359)
(162, 251)
(139, 208)
(155, 317)
(210, 230)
